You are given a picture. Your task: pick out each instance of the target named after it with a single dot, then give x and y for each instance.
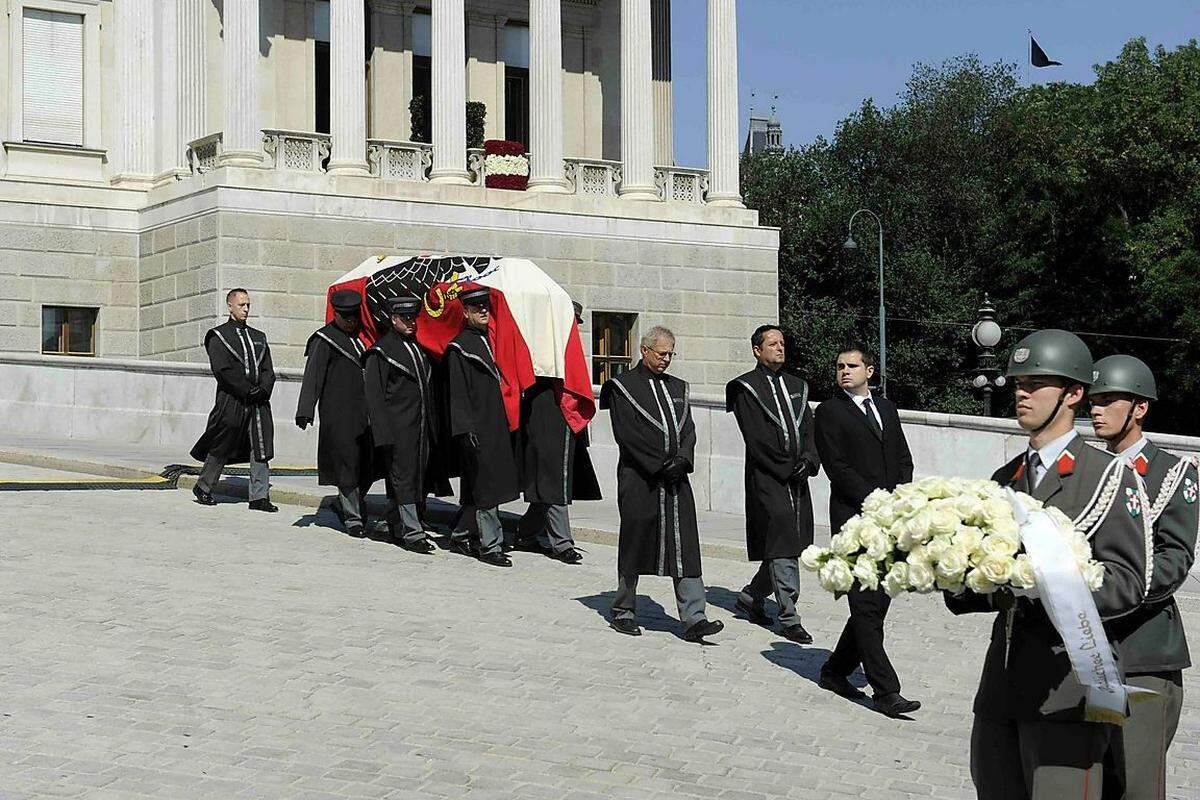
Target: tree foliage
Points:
(1072, 206)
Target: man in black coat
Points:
(656, 438)
(239, 426)
(555, 469)
(479, 425)
(333, 385)
(400, 405)
(862, 448)
(772, 412)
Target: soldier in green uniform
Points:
(1153, 650)
(1030, 740)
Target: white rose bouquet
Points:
(953, 534)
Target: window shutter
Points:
(52, 80)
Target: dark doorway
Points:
(516, 105)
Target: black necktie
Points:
(874, 423)
(1033, 461)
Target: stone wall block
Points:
(288, 254)
(175, 312)
(615, 250)
(242, 225)
(574, 248)
(239, 251)
(22, 340)
(665, 300)
(187, 232)
(78, 293)
(116, 244)
(151, 267)
(316, 230)
(123, 294)
(187, 284)
(117, 269)
(175, 260)
(152, 316)
(593, 273)
(207, 280)
(419, 239)
(638, 276)
(23, 237)
(202, 253)
(367, 233)
(470, 241)
(116, 343)
(207, 227)
(725, 280)
(163, 238)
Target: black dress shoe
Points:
(568, 556)
(796, 633)
(263, 504)
(839, 685)
(496, 559)
(704, 627)
(356, 530)
(625, 626)
(203, 497)
(893, 705)
(462, 548)
(755, 615)
(424, 546)
(525, 545)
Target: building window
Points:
(52, 77)
(422, 89)
(515, 52)
(321, 66)
(68, 331)
(612, 344)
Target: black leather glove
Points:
(674, 469)
(1003, 598)
(469, 442)
(303, 422)
(256, 395)
(799, 473)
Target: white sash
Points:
(1069, 604)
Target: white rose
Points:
(895, 583)
(968, 537)
(1022, 576)
(909, 504)
(877, 545)
(936, 546)
(884, 515)
(1000, 544)
(866, 573)
(914, 531)
(953, 563)
(1007, 526)
(978, 583)
(952, 585)
(1081, 548)
(943, 520)
(918, 555)
(835, 575)
(969, 508)
(844, 544)
(1093, 574)
(934, 487)
(876, 500)
(813, 557)
(921, 577)
(996, 511)
(996, 568)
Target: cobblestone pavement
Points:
(153, 648)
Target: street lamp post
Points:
(850, 244)
(986, 334)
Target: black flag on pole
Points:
(1038, 57)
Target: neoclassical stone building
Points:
(158, 152)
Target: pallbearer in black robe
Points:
(772, 412)
(656, 438)
(399, 403)
(555, 469)
(479, 426)
(333, 386)
(239, 426)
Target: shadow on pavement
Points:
(650, 613)
(724, 598)
(806, 662)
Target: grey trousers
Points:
(689, 599)
(405, 522)
(483, 525)
(1148, 734)
(781, 576)
(351, 503)
(1016, 760)
(550, 524)
(260, 477)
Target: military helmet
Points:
(1054, 353)
(1124, 374)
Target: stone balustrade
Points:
(296, 151)
(592, 176)
(204, 153)
(398, 160)
(681, 184)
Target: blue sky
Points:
(822, 58)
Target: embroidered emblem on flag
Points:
(1133, 503)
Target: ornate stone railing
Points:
(592, 176)
(296, 151)
(681, 184)
(203, 153)
(475, 171)
(402, 161)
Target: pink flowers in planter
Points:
(505, 165)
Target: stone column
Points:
(348, 89)
(191, 72)
(723, 186)
(664, 113)
(135, 92)
(546, 96)
(449, 93)
(637, 104)
(241, 139)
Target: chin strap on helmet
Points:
(1061, 397)
(1119, 435)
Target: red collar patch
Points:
(1020, 471)
(1065, 463)
(1141, 464)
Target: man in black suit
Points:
(862, 448)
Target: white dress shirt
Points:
(1048, 455)
(1134, 450)
(859, 399)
